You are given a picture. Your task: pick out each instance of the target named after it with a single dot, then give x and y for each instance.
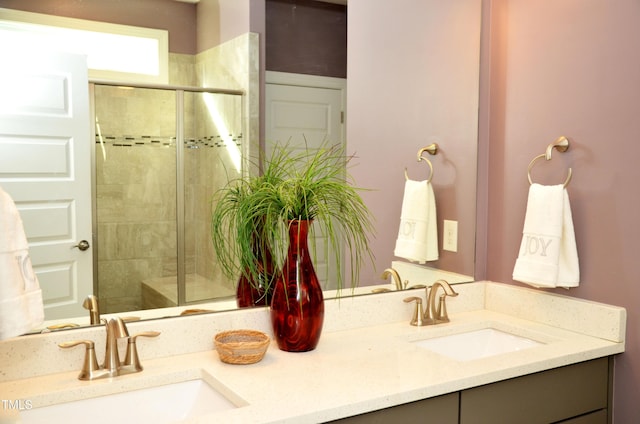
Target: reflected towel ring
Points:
(566, 182)
(431, 149)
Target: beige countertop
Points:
(365, 359)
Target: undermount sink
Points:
(167, 403)
(477, 344)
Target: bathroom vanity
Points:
(578, 394)
(369, 361)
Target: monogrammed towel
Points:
(418, 234)
(21, 306)
(548, 255)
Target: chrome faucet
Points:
(395, 276)
(433, 314)
(112, 366)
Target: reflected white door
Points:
(45, 166)
(305, 112)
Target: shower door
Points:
(135, 186)
(212, 128)
(160, 155)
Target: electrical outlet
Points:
(450, 241)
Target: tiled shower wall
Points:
(138, 242)
(235, 65)
(135, 190)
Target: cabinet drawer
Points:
(438, 410)
(598, 417)
(545, 397)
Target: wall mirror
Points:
(380, 162)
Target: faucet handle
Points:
(132, 361)
(418, 315)
(90, 368)
(441, 312)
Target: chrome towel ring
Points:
(561, 145)
(432, 149)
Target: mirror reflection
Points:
(149, 255)
(138, 206)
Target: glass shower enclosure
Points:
(160, 155)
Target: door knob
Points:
(82, 245)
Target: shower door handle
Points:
(82, 245)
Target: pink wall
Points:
(572, 68)
(418, 85)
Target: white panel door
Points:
(45, 166)
(306, 117)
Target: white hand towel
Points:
(548, 255)
(418, 234)
(21, 307)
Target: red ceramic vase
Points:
(250, 294)
(253, 291)
(297, 305)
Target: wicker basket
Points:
(241, 346)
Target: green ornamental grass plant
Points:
(238, 223)
(252, 215)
